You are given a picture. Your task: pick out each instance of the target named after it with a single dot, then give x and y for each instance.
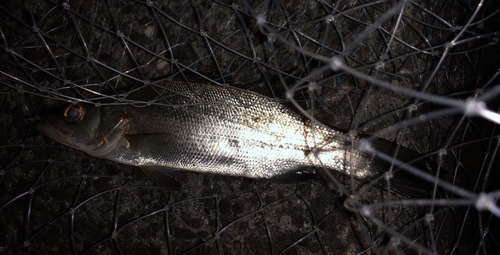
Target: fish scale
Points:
(270, 137)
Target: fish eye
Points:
(73, 113)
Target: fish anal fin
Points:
(162, 176)
(303, 173)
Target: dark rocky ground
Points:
(57, 200)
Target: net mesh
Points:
(423, 74)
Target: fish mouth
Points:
(54, 131)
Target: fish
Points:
(206, 128)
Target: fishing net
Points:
(422, 74)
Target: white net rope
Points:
(422, 74)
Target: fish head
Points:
(75, 125)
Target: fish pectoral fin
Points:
(162, 176)
(143, 142)
(303, 173)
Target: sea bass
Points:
(210, 129)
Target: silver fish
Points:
(209, 129)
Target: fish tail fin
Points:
(406, 185)
(401, 181)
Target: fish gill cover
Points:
(423, 74)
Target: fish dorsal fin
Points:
(143, 142)
(161, 176)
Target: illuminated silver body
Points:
(212, 129)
